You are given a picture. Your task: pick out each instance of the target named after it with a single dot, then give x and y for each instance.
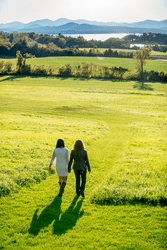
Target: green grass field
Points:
(109, 62)
(124, 131)
(154, 54)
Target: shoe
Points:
(78, 192)
(61, 191)
(82, 194)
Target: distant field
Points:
(104, 49)
(154, 54)
(119, 62)
(157, 54)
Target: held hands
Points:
(50, 168)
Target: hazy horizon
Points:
(102, 11)
(82, 19)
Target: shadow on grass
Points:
(16, 76)
(142, 86)
(69, 217)
(62, 222)
(8, 78)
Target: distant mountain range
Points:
(81, 26)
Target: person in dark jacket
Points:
(80, 160)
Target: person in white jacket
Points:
(61, 154)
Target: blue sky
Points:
(94, 10)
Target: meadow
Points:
(124, 131)
(128, 63)
(154, 54)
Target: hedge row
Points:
(81, 70)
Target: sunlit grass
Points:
(124, 131)
(140, 174)
(27, 143)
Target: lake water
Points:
(101, 37)
(160, 60)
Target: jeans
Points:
(80, 175)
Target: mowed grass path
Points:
(124, 131)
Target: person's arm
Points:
(50, 167)
(52, 160)
(70, 162)
(87, 162)
(67, 156)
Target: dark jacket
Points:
(81, 161)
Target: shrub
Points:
(39, 70)
(86, 70)
(65, 70)
(106, 72)
(22, 67)
(155, 76)
(5, 67)
(8, 67)
(2, 63)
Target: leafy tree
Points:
(141, 57)
(22, 67)
(20, 60)
(11, 37)
(52, 46)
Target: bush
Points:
(86, 70)
(6, 67)
(39, 70)
(65, 70)
(155, 76)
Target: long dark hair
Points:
(60, 143)
(78, 145)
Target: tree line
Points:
(157, 41)
(86, 70)
(44, 46)
(39, 45)
(63, 41)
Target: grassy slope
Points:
(113, 119)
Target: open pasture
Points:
(107, 61)
(124, 131)
(154, 54)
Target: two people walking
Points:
(80, 161)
